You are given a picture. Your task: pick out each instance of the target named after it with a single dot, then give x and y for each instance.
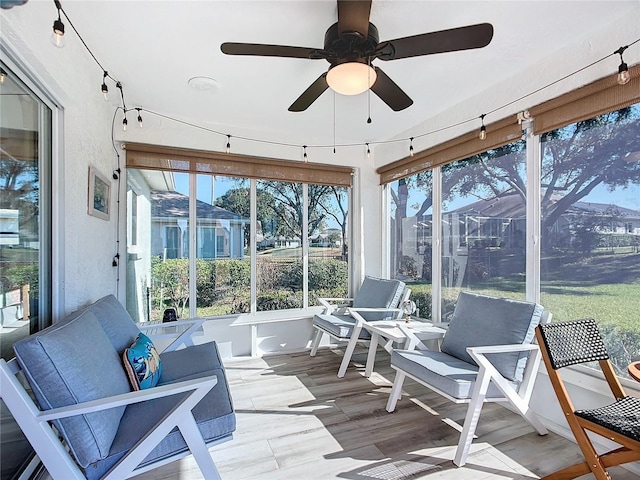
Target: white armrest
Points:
(355, 312)
(413, 342)
(329, 303)
(485, 349)
(177, 323)
(128, 398)
(190, 325)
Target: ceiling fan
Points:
(350, 46)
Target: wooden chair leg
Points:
(396, 391)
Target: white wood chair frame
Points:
(360, 322)
(53, 452)
(519, 398)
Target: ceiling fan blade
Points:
(311, 94)
(353, 16)
(390, 93)
(231, 48)
(454, 39)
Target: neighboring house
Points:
(279, 241)
(501, 222)
(220, 233)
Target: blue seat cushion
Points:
(340, 326)
(214, 414)
(73, 362)
(445, 373)
(480, 320)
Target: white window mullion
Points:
(192, 228)
(253, 208)
(534, 163)
(305, 245)
(436, 246)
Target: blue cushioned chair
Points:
(487, 355)
(86, 422)
(344, 318)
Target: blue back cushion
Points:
(116, 322)
(378, 293)
(483, 320)
(72, 362)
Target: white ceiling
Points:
(155, 47)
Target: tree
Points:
(339, 211)
(279, 206)
(237, 200)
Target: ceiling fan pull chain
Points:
(369, 91)
(334, 122)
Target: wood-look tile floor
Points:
(296, 421)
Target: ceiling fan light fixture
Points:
(351, 78)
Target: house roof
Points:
(511, 205)
(507, 205)
(172, 204)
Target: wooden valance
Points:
(174, 159)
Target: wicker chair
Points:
(570, 343)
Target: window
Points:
(328, 242)
(279, 265)
(484, 225)
(411, 236)
(590, 198)
(223, 266)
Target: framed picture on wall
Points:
(99, 194)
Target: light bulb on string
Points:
(411, 147)
(228, 143)
(104, 89)
(623, 76)
(57, 36)
(140, 124)
(483, 129)
(3, 75)
(368, 151)
(304, 155)
(124, 123)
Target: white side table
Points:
(390, 332)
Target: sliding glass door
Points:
(25, 235)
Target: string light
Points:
(124, 122)
(3, 75)
(57, 37)
(623, 71)
(104, 88)
(304, 156)
(139, 118)
(483, 129)
(228, 143)
(623, 77)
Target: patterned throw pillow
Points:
(142, 363)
